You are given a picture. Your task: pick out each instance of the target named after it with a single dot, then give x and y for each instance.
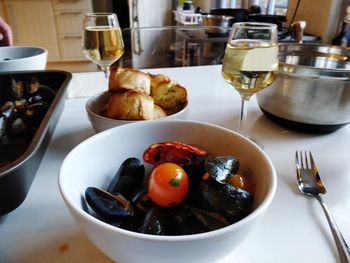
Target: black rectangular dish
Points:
(25, 130)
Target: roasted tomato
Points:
(242, 182)
(168, 184)
(171, 152)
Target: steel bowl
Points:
(312, 89)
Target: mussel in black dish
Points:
(35, 113)
(18, 129)
(23, 105)
(3, 124)
(8, 89)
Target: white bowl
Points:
(21, 58)
(100, 123)
(95, 161)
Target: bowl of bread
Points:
(134, 96)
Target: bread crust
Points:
(135, 95)
(169, 95)
(129, 105)
(121, 79)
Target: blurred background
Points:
(57, 25)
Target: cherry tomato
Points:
(168, 184)
(241, 182)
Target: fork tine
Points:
(302, 160)
(313, 164)
(317, 175)
(298, 168)
(296, 158)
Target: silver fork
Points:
(310, 183)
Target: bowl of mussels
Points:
(167, 194)
(30, 105)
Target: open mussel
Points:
(221, 168)
(106, 205)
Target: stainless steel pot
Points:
(312, 90)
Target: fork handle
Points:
(342, 246)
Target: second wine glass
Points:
(251, 61)
(102, 39)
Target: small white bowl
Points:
(99, 123)
(94, 163)
(22, 58)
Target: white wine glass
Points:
(102, 39)
(250, 62)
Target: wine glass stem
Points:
(106, 71)
(243, 116)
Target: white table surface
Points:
(294, 228)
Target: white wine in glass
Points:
(251, 61)
(102, 39)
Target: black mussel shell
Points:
(182, 221)
(155, 221)
(210, 220)
(3, 126)
(128, 178)
(106, 205)
(35, 99)
(141, 200)
(19, 129)
(133, 222)
(226, 198)
(35, 113)
(42, 94)
(8, 89)
(32, 86)
(221, 168)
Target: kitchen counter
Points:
(293, 229)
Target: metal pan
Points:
(16, 177)
(312, 90)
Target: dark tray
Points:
(16, 177)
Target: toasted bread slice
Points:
(157, 79)
(169, 95)
(129, 79)
(129, 105)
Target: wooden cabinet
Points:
(33, 24)
(69, 25)
(53, 24)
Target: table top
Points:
(294, 229)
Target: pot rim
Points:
(339, 53)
